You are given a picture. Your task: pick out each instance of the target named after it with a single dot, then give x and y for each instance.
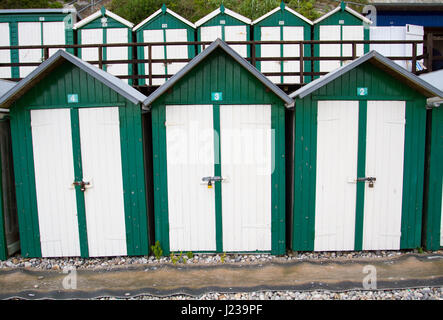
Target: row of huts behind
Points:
(219, 159)
(57, 27)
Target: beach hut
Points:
(26, 27)
(219, 157)
(342, 23)
(283, 24)
(359, 153)
(105, 27)
(78, 161)
(164, 25)
(226, 25)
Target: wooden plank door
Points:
(175, 51)
(190, 157)
(246, 163)
(385, 142)
(270, 50)
(102, 168)
(158, 52)
(29, 33)
(117, 35)
(335, 195)
(292, 50)
(54, 175)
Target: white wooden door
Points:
(337, 147)
(190, 157)
(292, 50)
(384, 161)
(101, 165)
(117, 35)
(54, 33)
(54, 175)
(210, 33)
(91, 36)
(158, 52)
(330, 50)
(29, 33)
(237, 33)
(5, 55)
(270, 50)
(352, 33)
(246, 163)
(176, 52)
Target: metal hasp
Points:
(371, 180)
(209, 180)
(82, 184)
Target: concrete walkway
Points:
(406, 271)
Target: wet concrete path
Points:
(406, 271)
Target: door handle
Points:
(81, 184)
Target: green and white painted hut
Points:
(164, 25)
(283, 24)
(9, 235)
(433, 214)
(218, 130)
(105, 27)
(78, 161)
(226, 25)
(359, 158)
(342, 23)
(26, 27)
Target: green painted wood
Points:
(434, 179)
(13, 41)
(52, 92)
(218, 184)
(3, 244)
(413, 176)
(160, 177)
(289, 20)
(217, 73)
(278, 181)
(305, 159)
(78, 173)
(381, 86)
(361, 172)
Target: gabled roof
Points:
(55, 60)
(382, 62)
(36, 11)
(346, 8)
(98, 14)
(5, 86)
(282, 7)
(159, 11)
(194, 62)
(224, 10)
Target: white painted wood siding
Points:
(176, 52)
(29, 33)
(384, 160)
(190, 157)
(270, 50)
(330, 50)
(292, 50)
(91, 36)
(117, 35)
(246, 162)
(337, 147)
(352, 33)
(54, 33)
(237, 33)
(54, 175)
(101, 164)
(5, 55)
(210, 33)
(158, 52)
